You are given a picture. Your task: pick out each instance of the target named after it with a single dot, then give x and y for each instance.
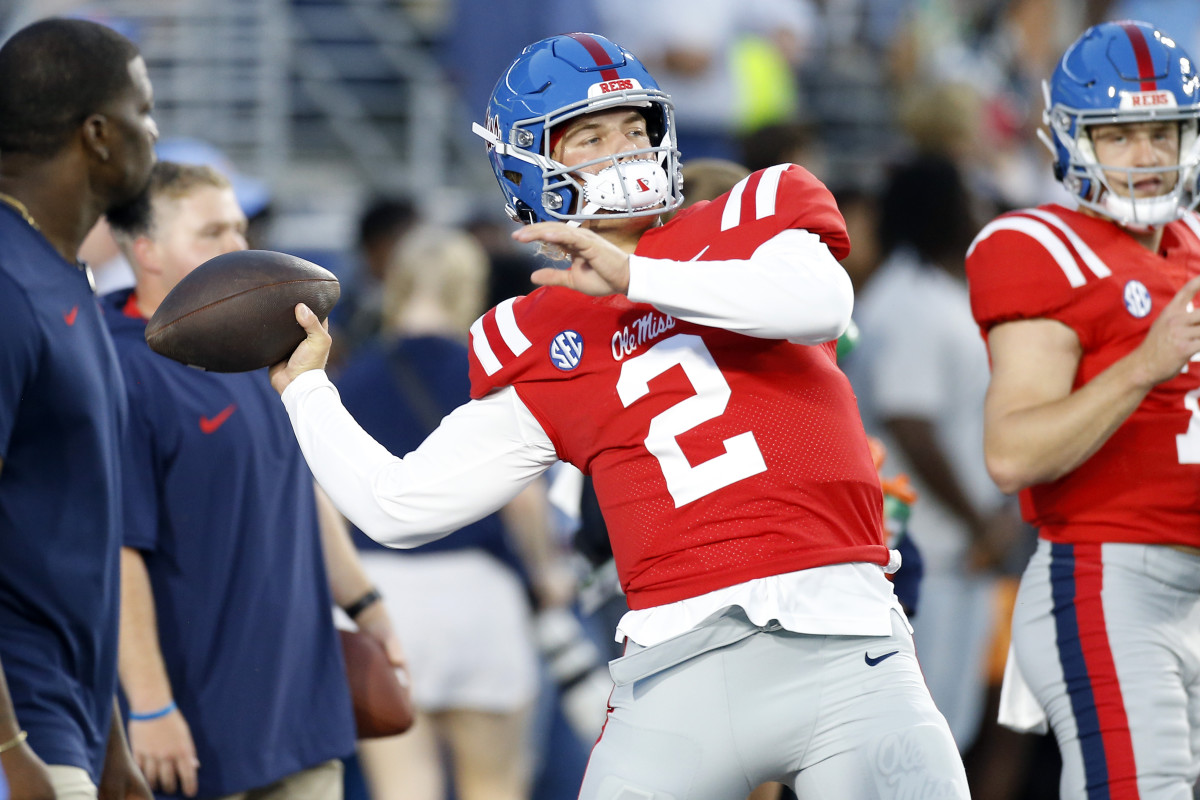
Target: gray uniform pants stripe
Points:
(1102, 629)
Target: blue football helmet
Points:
(553, 81)
(1119, 72)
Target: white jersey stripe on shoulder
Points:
(768, 189)
(1036, 230)
(483, 348)
(732, 215)
(507, 322)
(1193, 222)
(1090, 259)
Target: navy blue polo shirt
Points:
(62, 408)
(369, 387)
(220, 503)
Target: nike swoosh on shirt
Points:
(873, 661)
(702, 252)
(69, 316)
(210, 424)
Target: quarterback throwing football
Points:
(690, 369)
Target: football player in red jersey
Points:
(690, 369)
(1092, 414)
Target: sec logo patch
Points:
(1137, 299)
(566, 350)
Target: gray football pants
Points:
(718, 710)
(1108, 639)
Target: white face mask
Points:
(627, 186)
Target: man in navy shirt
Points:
(76, 139)
(229, 658)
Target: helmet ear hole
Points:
(513, 175)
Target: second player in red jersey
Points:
(1143, 483)
(1092, 415)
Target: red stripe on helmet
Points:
(596, 51)
(1141, 51)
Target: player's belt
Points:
(729, 628)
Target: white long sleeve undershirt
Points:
(790, 288)
(481, 456)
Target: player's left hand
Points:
(598, 267)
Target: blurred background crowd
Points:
(344, 126)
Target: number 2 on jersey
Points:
(686, 483)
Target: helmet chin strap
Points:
(588, 208)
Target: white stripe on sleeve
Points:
(483, 348)
(1044, 236)
(1090, 259)
(732, 213)
(507, 322)
(768, 190)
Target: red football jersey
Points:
(1143, 484)
(717, 457)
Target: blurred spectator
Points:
(709, 178)
(944, 119)
(459, 603)
(228, 654)
(785, 143)
(511, 263)
(253, 194)
(920, 373)
(860, 209)
(969, 80)
(358, 316)
(690, 46)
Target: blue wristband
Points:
(162, 712)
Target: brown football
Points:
(382, 704)
(236, 312)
